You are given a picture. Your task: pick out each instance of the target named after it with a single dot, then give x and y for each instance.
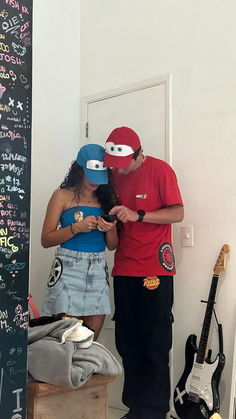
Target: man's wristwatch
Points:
(141, 214)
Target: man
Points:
(143, 271)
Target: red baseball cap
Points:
(120, 147)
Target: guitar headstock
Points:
(221, 260)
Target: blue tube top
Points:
(92, 241)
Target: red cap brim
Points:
(116, 161)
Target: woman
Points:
(78, 283)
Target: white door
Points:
(146, 108)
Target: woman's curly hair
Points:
(105, 193)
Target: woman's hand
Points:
(104, 226)
(84, 226)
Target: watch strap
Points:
(141, 214)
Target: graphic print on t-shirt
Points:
(166, 257)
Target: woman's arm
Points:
(112, 238)
(51, 236)
(110, 229)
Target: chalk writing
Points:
(7, 242)
(18, 49)
(13, 3)
(18, 407)
(13, 371)
(13, 295)
(10, 59)
(12, 168)
(3, 231)
(4, 325)
(4, 15)
(9, 134)
(15, 137)
(3, 314)
(14, 157)
(21, 318)
(4, 108)
(4, 47)
(4, 197)
(15, 266)
(18, 351)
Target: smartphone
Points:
(109, 218)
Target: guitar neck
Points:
(207, 321)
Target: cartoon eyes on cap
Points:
(118, 149)
(95, 165)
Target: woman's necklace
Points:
(86, 198)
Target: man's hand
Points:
(124, 214)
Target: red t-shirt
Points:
(145, 249)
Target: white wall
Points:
(122, 42)
(55, 103)
(127, 41)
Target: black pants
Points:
(143, 331)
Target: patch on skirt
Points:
(55, 272)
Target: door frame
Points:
(165, 80)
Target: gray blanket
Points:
(54, 362)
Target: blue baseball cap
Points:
(90, 157)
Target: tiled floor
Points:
(116, 413)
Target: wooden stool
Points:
(48, 401)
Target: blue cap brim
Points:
(99, 177)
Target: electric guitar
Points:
(196, 395)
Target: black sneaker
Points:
(129, 415)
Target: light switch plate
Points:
(187, 236)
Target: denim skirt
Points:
(78, 284)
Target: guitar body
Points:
(196, 395)
(188, 407)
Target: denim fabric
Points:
(78, 284)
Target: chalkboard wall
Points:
(15, 160)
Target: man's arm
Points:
(167, 215)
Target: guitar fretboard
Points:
(207, 321)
